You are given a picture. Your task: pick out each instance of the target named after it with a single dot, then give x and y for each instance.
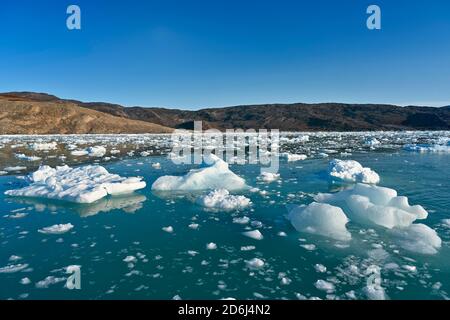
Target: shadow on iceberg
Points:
(127, 203)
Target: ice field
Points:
(347, 216)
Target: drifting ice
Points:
(322, 219)
(352, 171)
(215, 176)
(81, 185)
(375, 205)
(222, 200)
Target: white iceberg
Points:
(81, 185)
(95, 151)
(417, 238)
(43, 146)
(56, 229)
(222, 200)
(255, 263)
(24, 157)
(428, 148)
(13, 268)
(269, 176)
(295, 157)
(370, 204)
(253, 234)
(352, 171)
(215, 176)
(321, 219)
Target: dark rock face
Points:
(286, 117)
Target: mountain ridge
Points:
(286, 117)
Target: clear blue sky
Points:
(202, 53)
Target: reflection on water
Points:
(127, 203)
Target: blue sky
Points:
(204, 53)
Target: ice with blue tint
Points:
(304, 234)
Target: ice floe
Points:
(352, 171)
(56, 229)
(322, 219)
(375, 205)
(13, 268)
(82, 185)
(253, 234)
(222, 200)
(44, 146)
(269, 176)
(217, 175)
(255, 263)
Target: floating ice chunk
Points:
(322, 219)
(309, 247)
(446, 222)
(12, 169)
(217, 175)
(269, 176)
(21, 156)
(194, 226)
(50, 280)
(82, 185)
(370, 204)
(211, 246)
(352, 171)
(25, 281)
(417, 238)
(168, 229)
(14, 258)
(156, 165)
(255, 263)
(130, 259)
(294, 157)
(254, 234)
(145, 154)
(43, 146)
(96, 151)
(2, 173)
(324, 285)
(320, 268)
(79, 153)
(243, 220)
(56, 229)
(371, 142)
(13, 268)
(424, 148)
(222, 200)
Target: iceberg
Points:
(217, 175)
(417, 238)
(321, 219)
(428, 148)
(269, 176)
(85, 184)
(222, 200)
(57, 229)
(368, 204)
(352, 171)
(373, 205)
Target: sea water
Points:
(125, 252)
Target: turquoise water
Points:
(105, 233)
